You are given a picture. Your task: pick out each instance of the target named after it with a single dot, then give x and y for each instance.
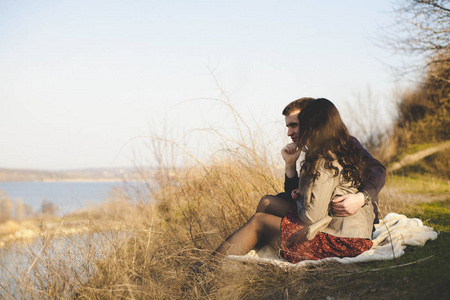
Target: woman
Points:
(333, 166)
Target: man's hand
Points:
(290, 154)
(347, 205)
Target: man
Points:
(342, 206)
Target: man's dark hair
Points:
(298, 104)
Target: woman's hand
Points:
(295, 194)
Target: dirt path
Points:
(412, 158)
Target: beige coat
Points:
(314, 206)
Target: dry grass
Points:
(146, 251)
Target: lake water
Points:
(76, 254)
(63, 258)
(67, 196)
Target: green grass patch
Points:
(419, 184)
(416, 148)
(421, 273)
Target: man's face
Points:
(292, 125)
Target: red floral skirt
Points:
(296, 247)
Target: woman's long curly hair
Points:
(324, 135)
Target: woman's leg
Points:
(273, 205)
(261, 229)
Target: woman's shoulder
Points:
(321, 164)
(328, 172)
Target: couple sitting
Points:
(327, 211)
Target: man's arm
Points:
(290, 184)
(377, 176)
(349, 204)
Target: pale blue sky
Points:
(79, 79)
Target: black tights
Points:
(263, 228)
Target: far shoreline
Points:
(81, 175)
(50, 180)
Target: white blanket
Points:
(390, 239)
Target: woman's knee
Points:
(264, 224)
(264, 204)
(273, 205)
(257, 221)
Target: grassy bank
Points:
(192, 216)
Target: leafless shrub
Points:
(48, 207)
(368, 120)
(6, 207)
(421, 31)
